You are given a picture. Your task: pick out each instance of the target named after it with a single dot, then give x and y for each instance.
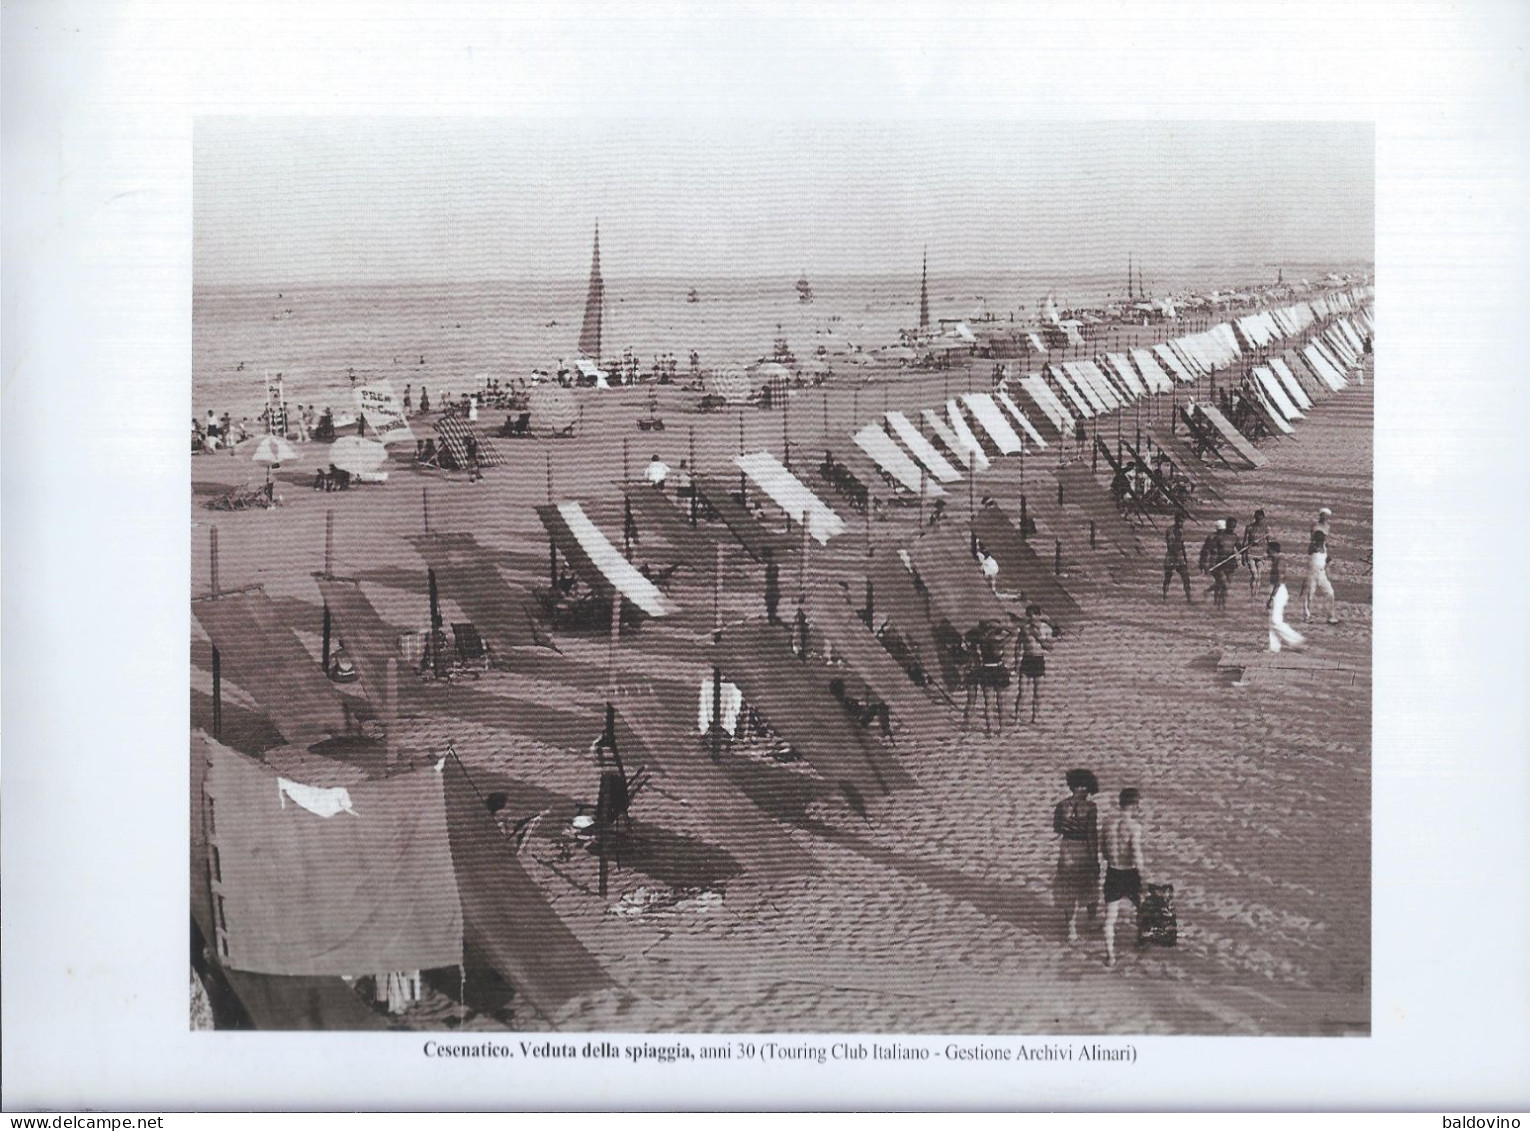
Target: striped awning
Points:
(890, 458)
(598, 562)
(924, 451)
(982, 406)
(791, 495)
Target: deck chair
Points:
(472, 652)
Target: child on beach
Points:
(1031, 643)
(1256, 537)
(1076, 820)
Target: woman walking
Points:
(1077, 822)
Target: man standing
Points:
(1175, 559)
(1319, 547)
(1125, 862)
(1208, 561)
(1255, 546)
(1032, 643)
(1225, 565)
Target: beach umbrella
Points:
(357, 455)
(274, 449)
(732, 385)
(553, 407)
(772, 371)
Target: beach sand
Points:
(934, 915)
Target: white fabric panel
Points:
(924, 451)
(791, 495)
(1125, 373)
(988, 415)
(1156, 378)
(936, 424)
(1276, 393)
(1076, 402)
(616, 569)
(1091, 397)
(1054, 410)
(1289, 382)
(890, 458)
(1020, 418)
(964, 435)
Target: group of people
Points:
(217, 432)
(982, 662)
(1086, 842)
(1224, 552)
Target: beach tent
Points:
(751, 534)
(793, 696)
(1323, 368)
(1019, 417)
(1021, 569)
(655, 515)
(369, 640)
(987, 414)
(960, 452)
(1153, 376)
(831, 619)
(461, 440)
(597, 562)
(1255, 390)
(1088, 495)
(333, 874)
(1124, 373)
(896, 605)
(924, 451)
(1076, 402)
(1288, 382)
(964, 433)
(407, 872)
(1231, 436)
(1042, 397)
(791, 495)
(464, 571)
(1115, 395)
(259, 652)
(719, 811)
(1315, 388)
(1098, 401)
(958, 591)
(1164, 353)
(1275, 391)
(892, 460)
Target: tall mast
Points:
(594, 307)
(1129, 294)
(924, 292)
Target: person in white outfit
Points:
(1280, 631)
(1319, 546)
(658, 472)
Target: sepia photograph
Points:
(767, 579)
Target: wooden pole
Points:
(390, 709)
(329, 543)
(425, 507)
(716, 669)
(549, 479)
(626, 472)
(324, 647)
(212, 554)
(694, 471)
(217, 694)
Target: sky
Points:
(323, 200)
